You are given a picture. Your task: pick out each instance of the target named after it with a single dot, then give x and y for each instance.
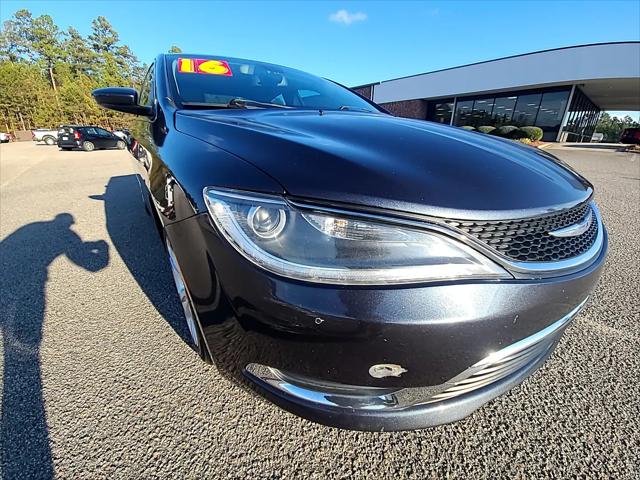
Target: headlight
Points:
(327, 248)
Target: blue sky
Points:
(351, 42)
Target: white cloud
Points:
(347, 18)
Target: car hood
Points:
(393, 163)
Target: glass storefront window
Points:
(544, 108)
(583, 116)
(552, 109)
(503, 110)
(551, 112)
(481, 113)
(440, 112)
(526, 110)
(463, 113)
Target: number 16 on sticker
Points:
(204, 66)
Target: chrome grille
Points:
(528, 239)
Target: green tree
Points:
(25, 98)
(612, 127)
(47, 76)
(46, 48)
(175, 49)
(103, 37)
(15, 37)
(78, 54)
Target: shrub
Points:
(486, 129)
(525, 140)
(517, 134)
(532, 133)
(504, 131)
(468, 127)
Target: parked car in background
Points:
(124, 134)
(5, 137)
(631, 135)
(45, 135)
(88, 138)
(361, 270)
(597, 137)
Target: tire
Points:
(191, 317)
(120, 145)
(49, 140)
(88, 146)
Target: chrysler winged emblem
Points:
(575, 229)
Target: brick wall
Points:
(364, 91)
(408, 108)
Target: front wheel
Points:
(120, 145)
(189, 312)
(88, 146)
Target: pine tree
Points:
(47, 76)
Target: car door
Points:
(107, 139)
(89, 134)
(141, 143)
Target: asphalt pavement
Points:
(99, 383)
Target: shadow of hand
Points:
(95, 255)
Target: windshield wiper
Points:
(355, 109)
(244, 103)
(233, 103)
(204, 105)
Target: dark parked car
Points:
(631, 135)
(358, 269)
(88, 138)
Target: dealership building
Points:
(562, 91)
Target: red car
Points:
(630, 135)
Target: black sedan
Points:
(88, 138)
(358, 269)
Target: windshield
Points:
(225, 82)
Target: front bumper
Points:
(282, 336)
(419, 407)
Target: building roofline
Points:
(498, 59)
(367, 85)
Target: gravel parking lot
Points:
(99, 383)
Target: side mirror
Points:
(121, 99)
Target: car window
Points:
(88, 131)
(146, 92)
(308, 93)
(102, 132)
(217, 80)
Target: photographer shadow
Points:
(25, 256)
(135, 237)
